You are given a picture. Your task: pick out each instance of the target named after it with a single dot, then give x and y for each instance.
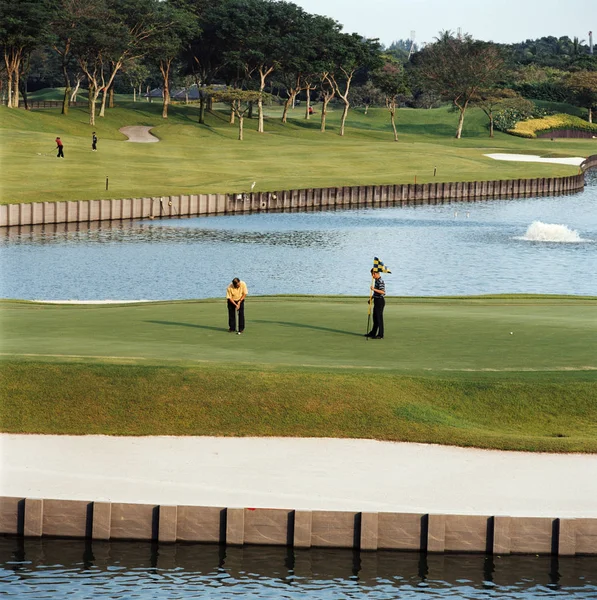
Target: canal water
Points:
(531, 245)
(60, 569)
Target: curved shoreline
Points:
(87, 211)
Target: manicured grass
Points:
(193, 158)
(449, 371)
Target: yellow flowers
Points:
(530, 128)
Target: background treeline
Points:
(249, 52)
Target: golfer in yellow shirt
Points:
(236, 293)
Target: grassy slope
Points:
(191, 158)
(448, 372)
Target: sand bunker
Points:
(139, 134)
(303, 473)
(573, 160)
(89, 301)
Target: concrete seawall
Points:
(88, 211)
(435, 533)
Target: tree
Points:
(496, 99)
(366, 95)
(203, 57)
(67, 19)
(457, 68)
(351, 53)
(390, 79)
(240, 101)
(23, 27)
(174, 29)
(583, 88)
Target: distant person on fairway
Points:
(379, 303)
(235, 298)
(60, 148)
(94, 142)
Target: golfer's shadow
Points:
(176, 324)
(305, 326)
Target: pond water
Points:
(532, 245)
(59, 569)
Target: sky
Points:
(502, 21)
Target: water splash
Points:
(549, 232)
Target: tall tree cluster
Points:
(243, 52)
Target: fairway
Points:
(514, 372)
(191, 158)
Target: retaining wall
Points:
(297, 528)
(87, 211)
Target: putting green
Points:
(514, 372)
(424, 336)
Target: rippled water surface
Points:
(460, 248)
(58, 569)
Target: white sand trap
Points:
(573, 160)
(139, 134)
(89, 301)
(299, 473)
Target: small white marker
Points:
(511, 332)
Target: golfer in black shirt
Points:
(379, 302)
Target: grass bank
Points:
(449, 371)
(194, 158)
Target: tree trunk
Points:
(307, 113)
(165, 70)
(134, 93)
(67, 91)
(344, 115)
(366, 108)
(590, 114)
(148, 92)
(91, 98)
(15, 89)
(491, 126)
(202, 110)
(287, 106)
(111, 97)
(24, 94)
(232, 114)
(460, 121)
(263, 73)
(8, 89)
(102, 112)
(393, 121)
(240, 127)
(324, 112)
(250, 113)
(73, 96)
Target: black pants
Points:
(232, 316)
(379, 303)
(60, 152)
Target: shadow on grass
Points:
(305, 326)
(176, 324)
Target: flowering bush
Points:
(529, 128)
(505, 120)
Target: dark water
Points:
(57, 569)
(461, 248)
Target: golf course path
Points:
(139, 134)
(299, 473)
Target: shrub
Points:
(530, 127)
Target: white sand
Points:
(89, 301)
(573, 160)
(302, 473)
(139, 134)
